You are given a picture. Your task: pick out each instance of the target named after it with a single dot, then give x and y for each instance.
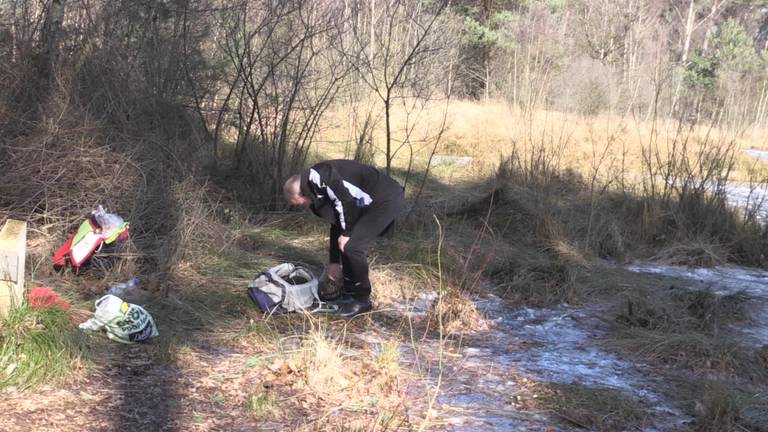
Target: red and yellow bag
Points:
(99, 229)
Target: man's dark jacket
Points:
(342, 191)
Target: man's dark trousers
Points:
(377, 220)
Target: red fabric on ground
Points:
(41, 298)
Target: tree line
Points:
(258, 75)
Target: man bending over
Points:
(360, 203)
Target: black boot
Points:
(346, 296)
(334, 304)
(355, 307)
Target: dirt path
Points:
(200, 391)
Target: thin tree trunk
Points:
(50, 38)
(689, 26)
(387, 103)
(688, 31)
(372, 34)
(487, 77)
(761, 105)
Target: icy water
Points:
(760, 154)
(750, 197)
(558, 345)
(486, 381)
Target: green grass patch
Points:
(232, 263)
(258, 361)
(198, 417)
(217, 398)
(202, 308)
(262, 405)
(412, 245)
(254, 250)
(38, 346)
(258, 328)
(258, 332)
(368, 404)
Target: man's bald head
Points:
(292, 192)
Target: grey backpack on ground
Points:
(284, 288)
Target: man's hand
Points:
(333, 271)
(343, 242)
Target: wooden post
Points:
(13, 250)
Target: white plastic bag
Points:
(124, 322)
(110, 223)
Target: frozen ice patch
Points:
(483, 376)
(565, 349)
(418, 306)
(557, 345)
(760, 154)
(749, 198)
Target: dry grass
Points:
(693, 252)
(457, 313)
(398, 283)
(546, 225)
(297, 363)
(541, 228)
(325, 369)
(598, 409)
(685, 328)
(388, 359)
(70, 154)
(263, 405)
(718, 405)
(488, 131)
